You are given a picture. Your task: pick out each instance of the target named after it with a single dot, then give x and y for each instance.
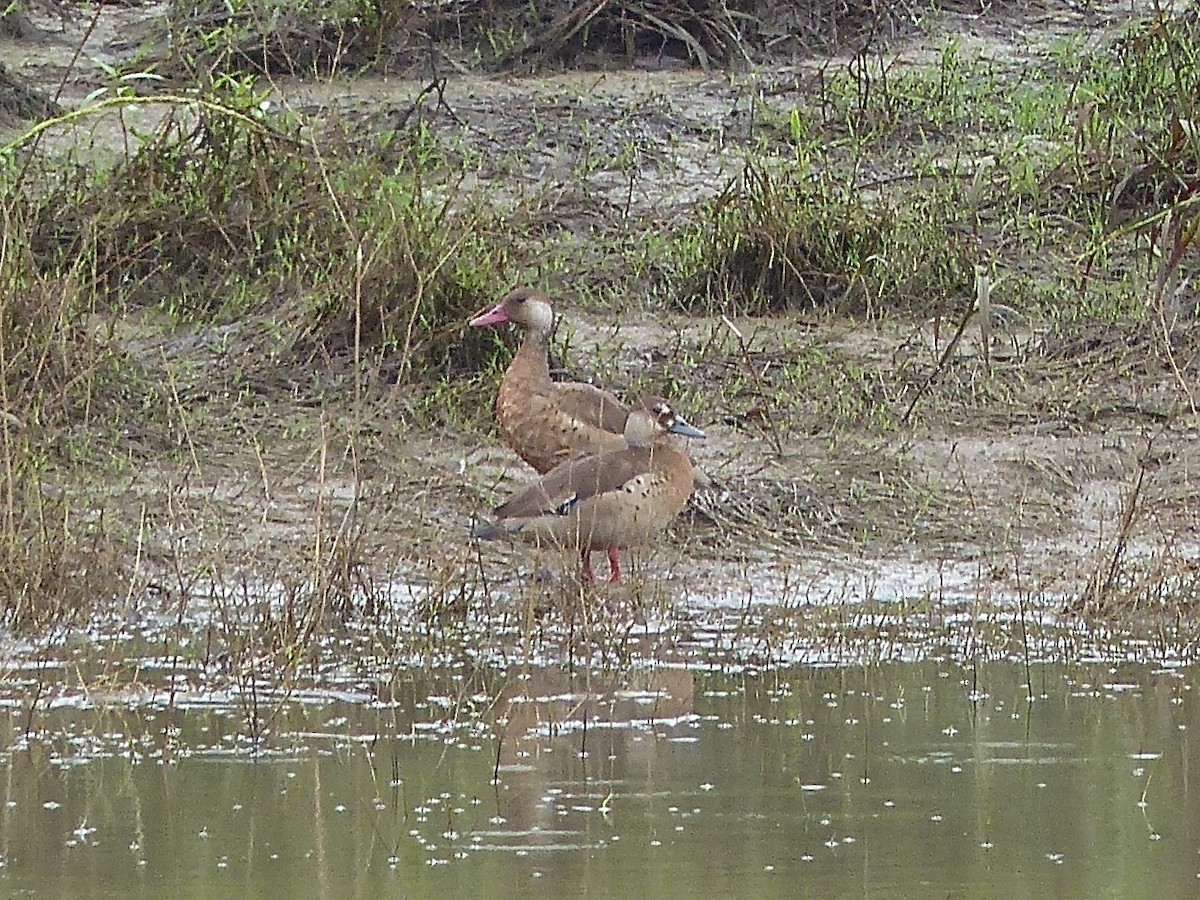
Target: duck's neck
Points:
(533, 358)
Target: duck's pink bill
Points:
(496, 316)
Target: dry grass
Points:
(65, 389)
(280, 257)
(201, 41)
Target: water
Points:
(913, 779)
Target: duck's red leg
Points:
(585, 557)
(614, 565)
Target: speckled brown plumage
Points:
(547, 422)
(609, 500)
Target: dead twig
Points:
(760, 386)
(941, 366)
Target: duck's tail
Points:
(487, 531)
(504, 530)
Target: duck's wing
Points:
(576, 481)
(589, 404)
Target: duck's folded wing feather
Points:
(576, 481)
(589, 404)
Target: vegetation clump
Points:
(773, 242)
(61, 384)
(226, 213)
(320, 37)
(288, 251)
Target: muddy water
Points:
(898, 780)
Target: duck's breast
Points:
(543, 434)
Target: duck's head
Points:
(526, 308)
(654, 416)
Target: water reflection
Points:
(914, 779)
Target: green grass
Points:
(224, 214)
(881, 195)
(775, 241)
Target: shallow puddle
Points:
(911, 779)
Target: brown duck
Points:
(545, 421)
(612, 499)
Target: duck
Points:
(547, 422)
(608, 500)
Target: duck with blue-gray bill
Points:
(606, 501)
